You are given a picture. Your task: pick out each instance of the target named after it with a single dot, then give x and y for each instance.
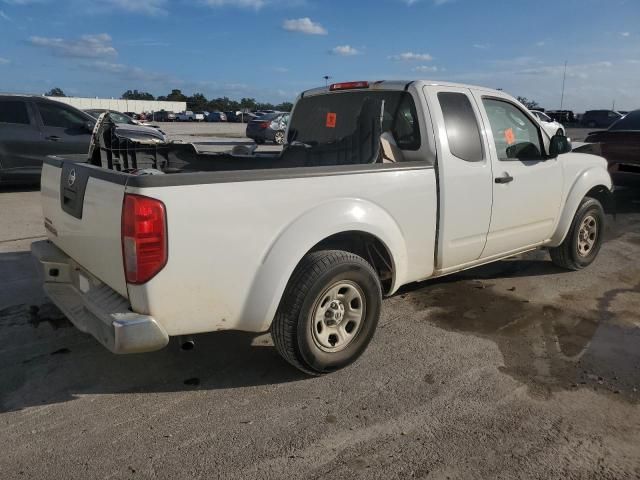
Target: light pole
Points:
(326, 80)
(564, 78)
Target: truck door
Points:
(465, 177)
(527, 187)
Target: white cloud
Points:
(4, 16)
(540, 44)
(87, 46)
(426, 69)
(4, 61)
(257, 4)
(128, 72)
(304, 25)
(625, 34)
(437, 3)
(412, 57)
(481, 46)
(146, 7)
(344, 51)
(22, 2)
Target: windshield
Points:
(329, 119)
(630, 122)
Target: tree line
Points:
(196, 102)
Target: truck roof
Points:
(401, 85)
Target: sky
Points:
(273, 49)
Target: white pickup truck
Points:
(379, 185)
(189, 116)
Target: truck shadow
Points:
(44, 359)
(54, 362)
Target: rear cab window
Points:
(461, 125)
(14, 112)
(354, 121)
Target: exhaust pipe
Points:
(186, 343)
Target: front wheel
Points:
(584, 239)
(279, 138)
(328, 313)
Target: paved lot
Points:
(515, 370)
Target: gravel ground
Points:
(514, 370)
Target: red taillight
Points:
(348, 86)
(144, 238)
(264, 125)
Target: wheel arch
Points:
(353, 225)
(594, 182)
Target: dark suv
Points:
(600, 118)
(31, 128)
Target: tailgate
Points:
(82, 207)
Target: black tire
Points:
(292, 327)
(567, 255)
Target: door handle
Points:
(53, 138)
(505, 178)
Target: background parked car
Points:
(119, 117)
(620, 145)
(124, 120)
(600, 118)
(240, 117)
(164, 116)
(31, 128)
(269, 127)
(548, 124)
(187, 116)
(564, 117)
(216, 117)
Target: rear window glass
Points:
(630, 122)
(325, 120)
(12, 111)
(462, 126)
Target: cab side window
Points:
(13, 111)
(516, 137)
(55, 116)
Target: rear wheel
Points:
(328, 313)
(582, 244)
(279, 138)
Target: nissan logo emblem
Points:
(71, 179)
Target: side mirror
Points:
(559, 145)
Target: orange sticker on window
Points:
(331, 120)
(509, 136)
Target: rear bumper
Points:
(94, 307)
